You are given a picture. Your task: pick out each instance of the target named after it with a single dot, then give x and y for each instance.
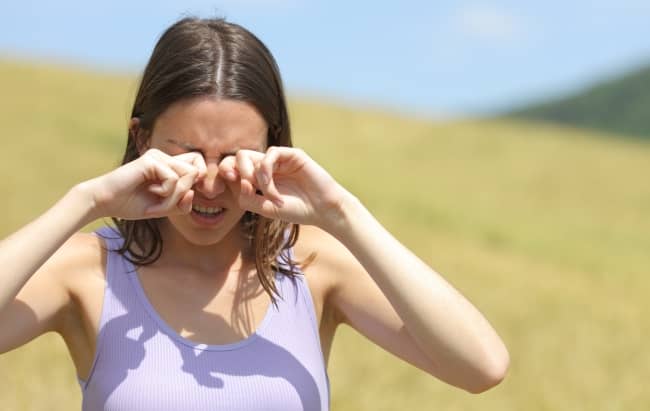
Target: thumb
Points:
(251, 201)
(234, 187)
(185, 204)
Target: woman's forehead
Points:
(210, 124)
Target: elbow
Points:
(491, 374)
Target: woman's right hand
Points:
(153, 185)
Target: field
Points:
(546, 229)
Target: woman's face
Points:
(215, 128)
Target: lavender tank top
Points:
(142, 364)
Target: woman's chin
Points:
(204, 234)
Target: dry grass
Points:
(545, 229)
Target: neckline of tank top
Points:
(198, 346)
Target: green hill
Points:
(619, 105)
(544, 228)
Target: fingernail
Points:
(230, 175)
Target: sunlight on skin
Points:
(529, 240)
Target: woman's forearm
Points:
(445, 325)
(26, 250)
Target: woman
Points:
(196, 300)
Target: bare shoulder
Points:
(331, 263)
(303, 250)
(80, 259)
(330, 253)
(323, 247)
(81, 254)
(48, 300)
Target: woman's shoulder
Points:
(83, 255)
(329, 253)
(313, 244)
(325, 274)
(330, 258)
(84, 250)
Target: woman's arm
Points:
(442, 332)
(33, 293)
(439, 324)
(33, 261)
(23, 252)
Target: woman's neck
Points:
(228, 255)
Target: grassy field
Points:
(545, 229)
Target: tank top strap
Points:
(118, 296)
(296, 293)
(120, 302)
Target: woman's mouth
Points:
(208, 212)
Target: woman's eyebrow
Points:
(183, 145)
(190, 147)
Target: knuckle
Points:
(152, 152)
(227, 162)
(146, 159)
(188, 182)
(224, 164)
(185, 168)
(149, 162)
(269, 158)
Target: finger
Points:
(245, 165)
(182, 167)
(285, 160)
(164, 176)
(246, 188)
(266, 170)
(266, 184)
(196, 160)
(173, 204)
(269, 162)
(156, 189)
(168, 169)
(257, 203)
(177, 202)
(185, 204)
(228, 168)
(181, 164)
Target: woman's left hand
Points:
(285, 183)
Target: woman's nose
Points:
(212, 184)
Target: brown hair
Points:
(211, 57)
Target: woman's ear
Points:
(138, 135)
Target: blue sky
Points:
(434, 58)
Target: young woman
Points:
(203, 296)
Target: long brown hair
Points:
(211, 57)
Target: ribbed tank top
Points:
(142, 364)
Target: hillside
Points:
(544, 228)
(619, 105)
